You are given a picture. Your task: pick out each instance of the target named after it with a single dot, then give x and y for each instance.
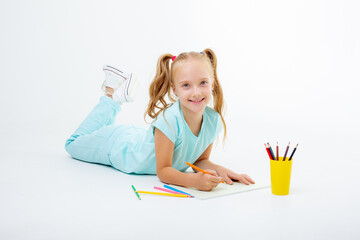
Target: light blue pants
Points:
(92, 141)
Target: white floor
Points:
(48, 195)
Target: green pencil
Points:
(137, 194)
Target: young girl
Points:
(182, 131)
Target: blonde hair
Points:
(161, 84)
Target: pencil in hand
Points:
(199, 169)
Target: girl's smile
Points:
(197, 101)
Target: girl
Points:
(182, 131)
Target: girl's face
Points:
(193, 85)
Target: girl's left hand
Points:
(227, 175)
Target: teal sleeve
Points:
(168, 125)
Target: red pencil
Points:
(268, 151)
(277, 151)
(271, 152)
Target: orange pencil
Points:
(199, 169)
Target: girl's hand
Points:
(206, 182)
(227, 175)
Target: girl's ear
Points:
(173, 88)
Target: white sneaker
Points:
(114, 78)
(127, 91)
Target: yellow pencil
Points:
(165, 194)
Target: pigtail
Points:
(159, 87)
(217, 91)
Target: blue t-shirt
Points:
(134, 147)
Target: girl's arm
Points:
(164, 150)
(226, 174)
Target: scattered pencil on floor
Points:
(168, 190)
(166, 194)
(135, 192)
(170, 193)
(176, 190)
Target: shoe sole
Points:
(131, 88)
(114, 70)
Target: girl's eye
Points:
(185, 85)
(204, 82)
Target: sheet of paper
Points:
(223, 189)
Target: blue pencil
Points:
(174, 189)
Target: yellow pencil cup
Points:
(280, 176)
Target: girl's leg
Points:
(90, 142)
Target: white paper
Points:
(222, 189)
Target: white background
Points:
(289, 71)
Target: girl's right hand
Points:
(206, 182)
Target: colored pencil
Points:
(268, 151)
(176, 190)
(165, 194)
(199, 169)
(277, 151)
(292, 154)
(167, 190)
(135, 192)
(287, 148)
(271, 151)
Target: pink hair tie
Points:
(173, 58)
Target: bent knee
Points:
(68, 144)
